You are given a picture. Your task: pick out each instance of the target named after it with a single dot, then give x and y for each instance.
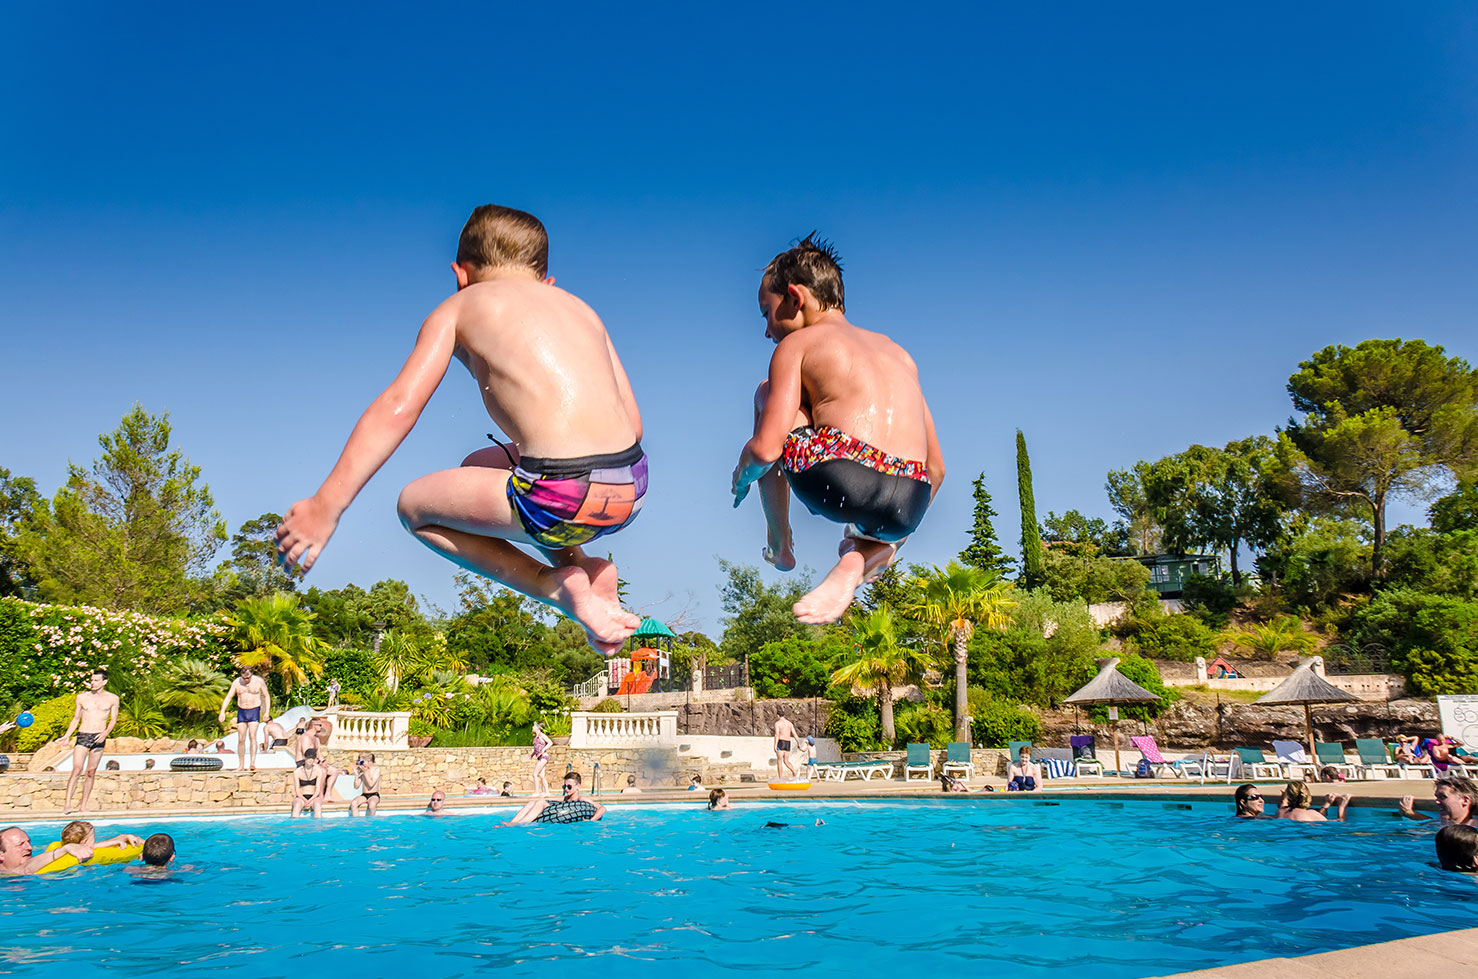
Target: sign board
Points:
(1113, 713)
(1459, 715)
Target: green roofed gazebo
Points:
(651, 627)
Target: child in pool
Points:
(573, 469)
(842, 423)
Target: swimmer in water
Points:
(1249, 802)
(842, 423)
(572, 469)
(718, 799)
(774, 825)
(1456, 798)
(1457, 848)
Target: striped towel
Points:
(1059, 768)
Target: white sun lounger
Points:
(837, 771)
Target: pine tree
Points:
(1032, 571)
(984, 550)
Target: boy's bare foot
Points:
(605, 582)
(606, 626)
(781, 554)
(828, 600)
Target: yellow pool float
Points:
(790, 786)
(100, 857)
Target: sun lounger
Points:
(1215, 765)
(957, 759)
(1083, 748)
(1159, 764)
(919, 760)
(1373, 758)
(837, 771)
(1333, 756)
(1258, 762)
(1294, 759)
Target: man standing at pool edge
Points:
(549, 376)
(842, 423)
(253, 706)
(93, 720)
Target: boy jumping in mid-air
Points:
(574, 469)
(842, 423)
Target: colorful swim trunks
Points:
(878, 496)
(569, 502)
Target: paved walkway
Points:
(1451, 953)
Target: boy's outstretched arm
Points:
(777, 417)
(383, 426)
(623, 385)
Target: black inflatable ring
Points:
(194, 763)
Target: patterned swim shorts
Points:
(569, 502)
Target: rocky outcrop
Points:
(1188, 725)
(755, 718)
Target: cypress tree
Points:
(1033, 572)
(984, 550)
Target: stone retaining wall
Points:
(405, 773)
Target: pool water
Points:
(1010, 887)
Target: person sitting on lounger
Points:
(1025, 775)
(951, 783)
(1250, 803)
(570, 809)
(1457, 802)
(1408, 749)
(1457, 848)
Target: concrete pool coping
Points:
(1405, 958)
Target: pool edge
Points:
(1404, 958)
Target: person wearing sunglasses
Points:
(1250, 804)
(569, 809)
(437, 805)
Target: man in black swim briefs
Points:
(253, 705)
(93, 719)
(842, 423)
(570, 809)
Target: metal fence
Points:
(725, 677)
(1348, 659)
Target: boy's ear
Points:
(460, 272)
(797, 294)
(549, 281)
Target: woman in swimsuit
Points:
(308, 787)
(540, 757)
(1250, 804)
(1025, 775)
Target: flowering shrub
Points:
(48, 649)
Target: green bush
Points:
(854, 722)
(927, 724)
(609, 706)
(52, 718)
(995, 721)
(1209, 599)
(796, 666)
(1173, 637)
(1432, 639)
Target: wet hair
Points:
(715, 796)
(1461, 786)
(1242, 799)
(1299, 796)
(158, 849)
(501, 236)
(112, 766)
(812, 262)
(76, 831)
(1457, 847)
(573, 777)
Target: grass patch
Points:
(1203, 692)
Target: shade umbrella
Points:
(1306, 687)
(1110, 688)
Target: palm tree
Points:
(1283, 634)
(399, 658)
(954, 600)
(274, 633)
(880, 662)
(193, 686)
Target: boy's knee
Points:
(408, 511)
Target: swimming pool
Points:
(1015, 887)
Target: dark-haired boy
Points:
(93, 720)
(573, 470)
(1457, 848)
(842, 423)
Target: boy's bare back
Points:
(545, 367)
(862, 383)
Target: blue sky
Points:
(1117, 228)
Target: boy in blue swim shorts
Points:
(572, 469)
(842, 423)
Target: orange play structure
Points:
(639, 680)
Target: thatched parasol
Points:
(1306, 687)
(1110, 688)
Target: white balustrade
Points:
(367, 731)
(629, 730)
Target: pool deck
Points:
(1449, 953)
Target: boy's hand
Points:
(303, 533)
(746, 473)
